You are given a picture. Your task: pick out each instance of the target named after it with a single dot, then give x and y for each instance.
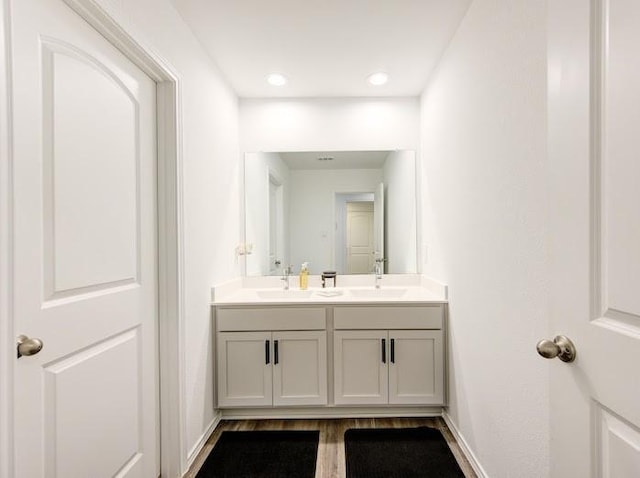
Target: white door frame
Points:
(170, 229)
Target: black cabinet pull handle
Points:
(267, 358)
(393, 350)
(275, 352)
(384, 350)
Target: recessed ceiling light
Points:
(276, 79)
(378, 79)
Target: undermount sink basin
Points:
(284, 294)
(382, 293)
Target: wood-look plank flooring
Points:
(331, 459)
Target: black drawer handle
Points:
(267, 358)
(384, 350)
(393, 350)
(275, 352)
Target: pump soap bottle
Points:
(304, 276)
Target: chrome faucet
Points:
(286, 273)
(377, 270)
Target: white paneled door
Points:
(594, 178)
(85, 268)
(360, 237)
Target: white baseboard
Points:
(462, 443)
(328, 412)
(195, 450)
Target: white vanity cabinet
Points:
(271, 357)
(388, 355)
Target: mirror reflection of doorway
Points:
(359, 231)
(360, 235)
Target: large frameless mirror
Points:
(338, 211)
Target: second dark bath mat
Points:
(399, 453)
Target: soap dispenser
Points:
(304, 276)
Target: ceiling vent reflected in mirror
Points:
(329, 160)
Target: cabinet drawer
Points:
(423, 317)
(276, 318)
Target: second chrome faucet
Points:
(286, 273)
(378, 269)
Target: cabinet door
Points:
(300, 368)
(360, 369)
(416, 368)
(244, 369)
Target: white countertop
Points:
(395, 289)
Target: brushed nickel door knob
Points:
(28, 346)
(561, 347)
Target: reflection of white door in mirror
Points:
(360, 237)
(276, 229)
(378, 224)
(266, 176)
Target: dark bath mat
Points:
(263, 454)
(399, 453)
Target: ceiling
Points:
(326, 48)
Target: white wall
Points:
(399, 177)
(210, 184)
(312, 211)
(329, 124)
(483, 152)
